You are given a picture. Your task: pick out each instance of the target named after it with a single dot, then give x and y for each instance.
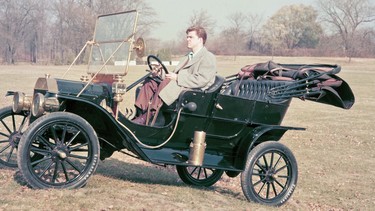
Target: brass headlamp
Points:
(21, 102)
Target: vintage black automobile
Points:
(60, 132)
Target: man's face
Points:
(193, 41)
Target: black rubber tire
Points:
(69, 150)
(12, 126)
(270, 174)
(199, 176)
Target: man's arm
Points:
(205, 73)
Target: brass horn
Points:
(139, 46)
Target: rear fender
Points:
(256, 136)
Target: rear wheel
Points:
(11, 127)
(270, 174)
(199, 176)
(67, 148)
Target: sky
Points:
(175, 14)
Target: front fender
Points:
(256, 136)
(103, 122)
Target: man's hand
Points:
(156, 70)
(172, 76)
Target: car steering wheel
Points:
(158, 61)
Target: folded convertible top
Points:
(314, 82)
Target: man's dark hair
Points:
(201, 32)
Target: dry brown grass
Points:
(336, 156)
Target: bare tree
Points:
(58, 28)
(366, 42)
(75, 22)
(73, 26)
(202, 18)
(235, 36)
(36, 40)
(254, 22)
(147, 18)
(17, 20)
(345, 17)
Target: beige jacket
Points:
(199, 72)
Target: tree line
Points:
(54, 31)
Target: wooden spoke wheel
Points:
(67, 148)
(199, 176)
(11, 129)
(270, 175)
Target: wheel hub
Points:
(271, 175)
(14, 139)
(60, 152)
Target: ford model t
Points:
(57, 134)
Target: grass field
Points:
(335, 155)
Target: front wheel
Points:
(67, 148)
(270, 174)
(12, 126)
(199, 176)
